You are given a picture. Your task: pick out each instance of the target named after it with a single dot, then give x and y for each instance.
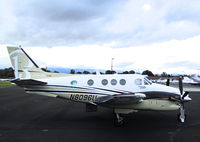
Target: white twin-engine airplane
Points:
(124, 93)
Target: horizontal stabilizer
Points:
(121, 99)
(24, 82)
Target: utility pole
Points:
(112, 64)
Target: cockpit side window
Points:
(147, 81)
(138, 81)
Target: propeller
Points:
(185, 94)
(168, 82)
(181, 85)
(182, 115)
(181, 89)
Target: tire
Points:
(118, 123)
(179, 119)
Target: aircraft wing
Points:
(122, 99)
(25, 82)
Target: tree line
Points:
(9, 72)
(146, 72)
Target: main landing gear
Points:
(118, 120)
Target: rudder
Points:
(23, 65)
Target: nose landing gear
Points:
(182, 115)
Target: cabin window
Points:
(104, 81)
(113, 82)
(90, 82)
(74, 82)
(138, 81)
(122, 81)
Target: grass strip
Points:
(5, 84)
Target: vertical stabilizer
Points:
(23, 65)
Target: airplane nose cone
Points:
(187, 98)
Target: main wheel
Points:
(118, 123)
(180, 119)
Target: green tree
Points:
(131, 72)
(72, 71)
(164, 74)
(7, 73)
(79, 72)
(94, 73)
(86, 72)
(147, 72)
(110, 72)
(125, 72)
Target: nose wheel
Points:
(182, 115)
(118, 120)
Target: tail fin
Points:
(23, 65)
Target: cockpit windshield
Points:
(147, 81)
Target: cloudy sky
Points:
(139, 34)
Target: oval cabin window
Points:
(104, 81)
(113, 81)
(74, 82)
(122, 81)
(90, 82)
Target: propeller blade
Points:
(168, 82)
(185, 94)
(181, 85)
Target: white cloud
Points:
(147, 7)
(73, 23)
(140, 23)
(4, 58)
(168, 56)
(7, 20)
(78, 31)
